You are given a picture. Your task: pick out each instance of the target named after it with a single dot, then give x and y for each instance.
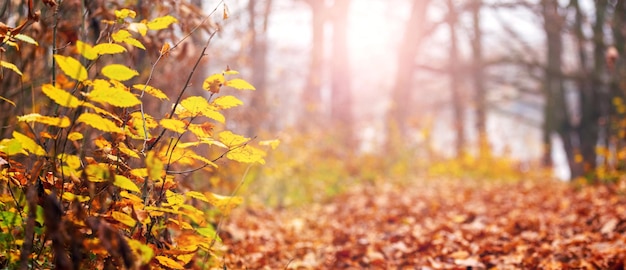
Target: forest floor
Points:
(438, 225)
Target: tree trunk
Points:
(312, 95)
(341, 96)
(402, 90)
(479, 82)
(258, 56)
(457, 98)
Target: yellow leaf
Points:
(11, 67)
(246, 154)
(98, 122)
(71, 67)
(167, 262)
(29, 144)
(12, 147)
(226, 102)
(139, 172)
(175, 125)
(231, 139)
(101, 111)
(214, 82)
(74, 136)
(68, 196)
(73, 161)
(108, 48)
(8, 101)
(26, 39)
(140, 28)
(97, 172)
(173, 199)
(123, 218)
(229, 71)
(61, 96)
(86, 50)
(125, 183)
(196, 195)
(161, 22)
(151, 90)
(119, 72)
(272, 143)
(224, 203)
(103, 93)
(203, 159)
(126, 37)
(145, 252)
(154, 166)
(195, 105)
(124, 149)
(204, 130)
(239, 84)
(121, 35)
(61, 122)
(125, 13)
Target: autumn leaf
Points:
(126, 37)
(98, 122)
(103, 93)
(154, 166)
(196, 195)
(125, 183)
(214, 82)
(175, 125)
(167, 262)
(239, 84)
(71, 67)
(231, 139)
(26, 39)
(161, 22)
(29, 144)
(125, 13)
(246, 154)
(61, 122)
(74, 136)
(140, 28)
(227, 102)
(60, 96)
(119, 72)
(7, 101)
(11, 67)
(108, 48)
(224, 203)
(124, 218)
(151, 90)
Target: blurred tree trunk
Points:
(457, 98)
(556, 119)
(341, 96)
(479, 81)
(257, 27)
(312, 95)
(401, 95)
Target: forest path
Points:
(438, 225)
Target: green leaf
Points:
(71, 67)
(119, 72)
